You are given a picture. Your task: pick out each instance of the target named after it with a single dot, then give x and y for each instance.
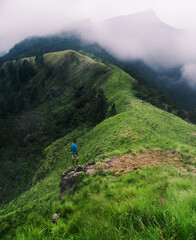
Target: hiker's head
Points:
(74, 140)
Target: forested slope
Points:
(153, 200)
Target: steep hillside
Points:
(114, 205)
(61, 93)
(122, 203)
(168, 82)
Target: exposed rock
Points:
(74, 175)
(92, 163)
(55, 217)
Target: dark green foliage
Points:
(15, 89)
(36, 46)
(34, 94)
(74, 58)
(12, 71)
(92, 105)
(26, 71)
(157, 98)
(151, 203)
(98, 107)
(181, 92)
(39, 107)
(39, 60)
(142, 203)
(113, 112)
(192, 117)
(2, 74)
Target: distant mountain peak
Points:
(149, 12)
(147, 19)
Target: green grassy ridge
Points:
(147, 204)
(139, 127)
(135, 206)
(70, 70)
(101, 75)
(39, 119)
(117, 135)
(137, 69)
(66, 71)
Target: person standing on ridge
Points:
(74, 151)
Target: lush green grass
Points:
(104, 214)
(147, 204)
(152, 203)
(49, 109)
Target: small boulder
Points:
(73, 175)
(55, 217)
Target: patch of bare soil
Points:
(129, 162)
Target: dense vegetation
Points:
(41, 101)
(178, 90)
(75, 96)
(151, 203)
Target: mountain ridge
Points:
(173, 83)
(140, 203)
(149, 14)
(36, 46)
(63, 92)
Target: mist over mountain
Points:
(122, 87)
(135, 36)
(2, 53)
(64, 95)
(143, 36)
(140, 37)
(170, 52)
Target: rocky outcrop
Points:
(55, 218)
(74, 175)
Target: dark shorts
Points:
(75, 156)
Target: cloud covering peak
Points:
(145, 37)
(126, 34)
(21, 18)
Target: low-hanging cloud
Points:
(140, 36)
(145, 37)
(22, 18)
(189, 73)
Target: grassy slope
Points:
(63, 72)
(141, 205)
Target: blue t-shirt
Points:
(73, 148)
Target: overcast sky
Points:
(23, 18)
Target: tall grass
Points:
(152, 203)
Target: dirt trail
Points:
(128, 162)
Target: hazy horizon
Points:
(20, 19)
(162, 41)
